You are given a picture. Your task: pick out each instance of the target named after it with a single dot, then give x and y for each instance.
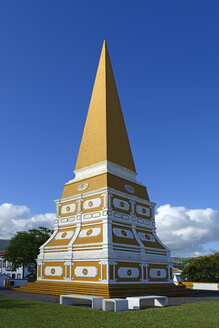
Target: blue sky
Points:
(165, 60)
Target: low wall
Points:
(17, 282)
(200, 285)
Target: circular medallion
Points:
(64, 234)
(122, 204)
(147, 237)
(143, 210)
(53, 271)
(158, 273)
(90, 204)
(129, 188)
(83, 186)
(89, 232)
(85, 272)
(129, 272)
(124, 233)
(67, 208)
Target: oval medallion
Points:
(129, 188)
(83, 186)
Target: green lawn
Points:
(21, 314)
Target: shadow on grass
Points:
(198, 294)
(14, 303)
(207, 293)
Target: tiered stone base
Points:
(104, 290)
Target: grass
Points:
(30, 314)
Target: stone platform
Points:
(106, 291)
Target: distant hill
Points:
(180, 262)
(4, 243)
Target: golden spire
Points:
(105, 137)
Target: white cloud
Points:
(15, 218)
(185, 231)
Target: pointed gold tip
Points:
(105, 136)
(104, 42)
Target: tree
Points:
(24, 248)
(180, 262)
(202, 269)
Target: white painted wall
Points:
(5, 268)
(205, 286)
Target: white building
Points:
(177, 276)
(6, 268)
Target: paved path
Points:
(200, 297)
(8, 293)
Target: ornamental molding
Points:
(64, 235)
(123, 233)
(128, 272)
(158, 273)
(70, 208)
(53, 271)
(90, 232)
(85, 271)
(121, 204)
(104, 167)
(92, 203)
